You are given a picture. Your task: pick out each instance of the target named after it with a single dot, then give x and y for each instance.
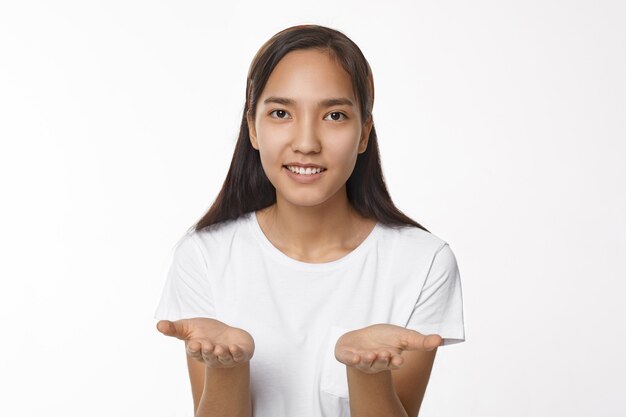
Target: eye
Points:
(281, 112)
(338, 113)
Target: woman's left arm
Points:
(391, 393)
(388, 368)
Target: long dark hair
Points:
(247, 188)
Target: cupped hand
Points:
(210, 341)
(379, 347)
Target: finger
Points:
(396, 362)
(368, 359)
(237, 353)
(415, 340)
(166, 327)
(223, 355)
(209, 356)
(432, 341)
(382, 360)
(172, 328)
(194, 350)
(348, 358)
(219, 350)
(369, 363)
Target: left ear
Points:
(365, 134)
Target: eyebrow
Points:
(324, 103)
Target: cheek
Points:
(268, 157)
(267, 140)
(342, 150)
(271, 137)
(270, 153)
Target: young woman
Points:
(304, 291)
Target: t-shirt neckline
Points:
(253, 221)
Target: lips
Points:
(305, 178)
(301, 170)
(303, 165)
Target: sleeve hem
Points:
(450, 333)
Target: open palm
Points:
(210, 341)
(379, 347)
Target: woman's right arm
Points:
(220, 392)
(218, 359)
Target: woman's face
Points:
(297, 123)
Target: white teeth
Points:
(304, 171)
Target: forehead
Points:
(308, 75)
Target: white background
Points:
(501, 126)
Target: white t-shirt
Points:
(296, 311)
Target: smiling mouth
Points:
(304, 171)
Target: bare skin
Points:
(379, 347)
(357, 230)
(211, 342)
(310, 222)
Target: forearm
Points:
(226, 392)
(373, 395)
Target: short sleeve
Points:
(187, 291)
(439, 306)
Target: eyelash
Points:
(282, 118)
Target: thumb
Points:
(432, 341)
(167, 327)
(418, 341)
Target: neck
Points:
(323, 231)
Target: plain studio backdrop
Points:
(501, 127)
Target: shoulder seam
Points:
(441, 248)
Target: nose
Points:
(305, 138)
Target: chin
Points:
(309, 200)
